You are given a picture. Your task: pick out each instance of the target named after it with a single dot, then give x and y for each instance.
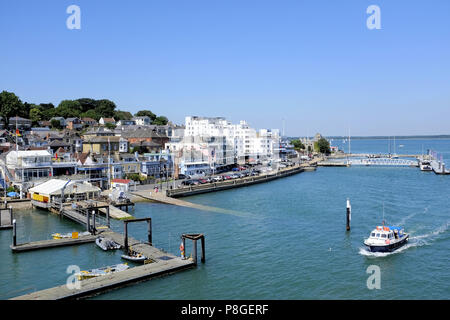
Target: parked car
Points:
(217, 178)
(226, 177)
(181, 176)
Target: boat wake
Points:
(402, 222)
(416, 241)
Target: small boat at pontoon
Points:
(386, 239)
(107, 244)
(57, 236)
(82, 275)
(425, 165)
(134, 256)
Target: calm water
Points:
(288, 242)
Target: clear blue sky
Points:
(313, 63)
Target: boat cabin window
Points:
(378, 235)
(383, 235)
(373, 234)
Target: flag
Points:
(182, 249)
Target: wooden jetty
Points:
(52, 243)
(159, 263)
(6, 218)
(439, 167)
(333, 164)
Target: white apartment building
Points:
(214, 143)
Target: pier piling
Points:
(349, 214)
(14, 241)
(194, 238)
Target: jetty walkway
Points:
(159, 263)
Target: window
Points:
(378, 235)
(383, 235)
(373, 234)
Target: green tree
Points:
(35, 115)
(55, 124)
(91, 114)
(122, 115)
(68, 109)
(10, 106)
(298, 145)
(110, 126)
(323, 146)
(148, 113)
(160, 121)
(88, 104)
(105, 108)
(48, 110)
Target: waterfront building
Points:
(104, 121)
(101, 144)
(142, 121)
(51, 191)
(20, 123)
(74, 124)
(124, 185)
(89, 121)
(156, 164)
(125, 123)
(29, 165)
(215, 144)
(143, 134)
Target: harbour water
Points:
(288, 242)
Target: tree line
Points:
(11, 106)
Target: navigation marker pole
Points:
(349, 214)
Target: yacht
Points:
(386, 239)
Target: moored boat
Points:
(107, 244)
(425, 165)
(82, 275)
(134, 256)
(386, 239)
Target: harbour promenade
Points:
(167, 195)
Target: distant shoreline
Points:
(385, 137)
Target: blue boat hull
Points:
(390, 247)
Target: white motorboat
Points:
(107, 244)
(386, 239)
(82, 275)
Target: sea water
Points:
(288, 241)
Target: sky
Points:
(311, 65)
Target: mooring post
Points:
(125, 241)
(195, 251)
(93, 222)
(10, 214)
(14, 242)
(183, 239)
(203, 249)
(349, 214)
(149, 231)
(88, 222)
(107, 217)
